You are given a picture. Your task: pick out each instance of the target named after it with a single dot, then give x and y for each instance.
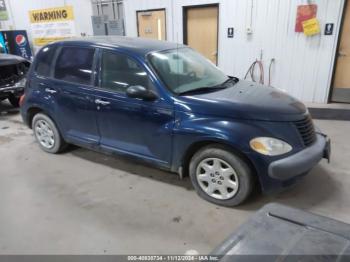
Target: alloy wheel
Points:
(44, 134)
(217, 178)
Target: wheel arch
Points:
(31, 112)
(196, 146)
(34, 110)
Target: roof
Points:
(140, 46)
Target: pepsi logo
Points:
(21, 40)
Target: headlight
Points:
(270, 146)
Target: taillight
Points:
(21, 99)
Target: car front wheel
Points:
(220, 176)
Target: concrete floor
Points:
(82, 202)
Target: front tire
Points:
(47, 134)
(221, 176)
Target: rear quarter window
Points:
(44, 61)
(74, 64)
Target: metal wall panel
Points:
(303, 66)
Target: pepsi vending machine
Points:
(16, 43)
(3, 49)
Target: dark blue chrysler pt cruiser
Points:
(165, 104)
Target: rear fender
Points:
(39, 99)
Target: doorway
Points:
(341, 84)
(201, 25)
(152, 24)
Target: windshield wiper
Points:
(202, 90)
(233, 80)
(230, 79)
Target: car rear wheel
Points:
(47, 134)
(220, 176)
(14, 101)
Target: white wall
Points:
(19, 17)
(303, 64)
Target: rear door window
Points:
(44, 61)
(118, 72)
(74, 64)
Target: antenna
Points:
(177, 60)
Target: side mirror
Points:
(141, 92)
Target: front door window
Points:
(118, 72)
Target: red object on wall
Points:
(305, 12)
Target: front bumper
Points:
(302, 162)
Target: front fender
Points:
(192, 128)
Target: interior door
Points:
(341, 87)
(201, 30)
(128, 125)
(151, 24)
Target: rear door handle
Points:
(50, 90)
(101, 102)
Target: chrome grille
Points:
(306, 130)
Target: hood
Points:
(245, 100)
(6, 59)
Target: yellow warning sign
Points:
(311, 27)
(53, 24)
(57, 14)
(47, 40)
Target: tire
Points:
(14, 101)
(221, 176)
(47, 134)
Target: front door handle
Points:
(50, 90)
(101, 102)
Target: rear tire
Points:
(47, 134)
(14, 101)
(221, 176)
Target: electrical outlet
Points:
(249, 30)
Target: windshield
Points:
(184, 70)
